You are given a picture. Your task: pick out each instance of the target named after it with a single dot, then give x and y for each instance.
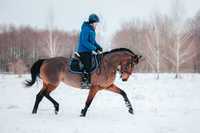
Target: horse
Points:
(54, 70)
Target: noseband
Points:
(132, 63)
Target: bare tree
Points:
(177, 10)
(27, 44)
(50, 39)
(195, 29)
(20, 67)
(157, 20)
(136, 36)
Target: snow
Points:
(166, 105)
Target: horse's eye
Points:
(127, 66)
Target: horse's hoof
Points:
(131, 111)
(34, 112)
(83, 113)
(56, 108)
(56, 112)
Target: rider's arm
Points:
(93, 41)
(87, 43)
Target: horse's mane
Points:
(118, 50)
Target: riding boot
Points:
(88, 79)
(85, 84)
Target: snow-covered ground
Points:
(166, 105)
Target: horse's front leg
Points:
(116, 89)
(91, 95)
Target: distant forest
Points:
(168, 43)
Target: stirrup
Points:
(85, 85)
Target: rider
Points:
(87, 45)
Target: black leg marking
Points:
(127, 102)
(84, 111)
(39, 97)
(56, 104)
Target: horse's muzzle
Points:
(124, 80)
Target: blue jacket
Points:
(87, 42)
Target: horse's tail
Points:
(35, 71)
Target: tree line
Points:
(21, 46)
(168, 43)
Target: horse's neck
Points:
(114, 59)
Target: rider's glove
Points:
(99, 49)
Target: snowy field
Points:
(166, 105)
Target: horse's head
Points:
(127, 65)
(127, 60)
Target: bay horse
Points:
(54, 70)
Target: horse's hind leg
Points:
(49, 88)
(39, 97)
(56, 104)
(116, 89)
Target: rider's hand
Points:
(99, 49)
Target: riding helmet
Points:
(93, 18)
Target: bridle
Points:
(132, 63)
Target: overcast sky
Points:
(69, 14)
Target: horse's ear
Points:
(141, 58)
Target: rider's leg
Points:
(86, 59)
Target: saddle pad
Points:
(77, 67)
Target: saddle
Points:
(77, 67)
